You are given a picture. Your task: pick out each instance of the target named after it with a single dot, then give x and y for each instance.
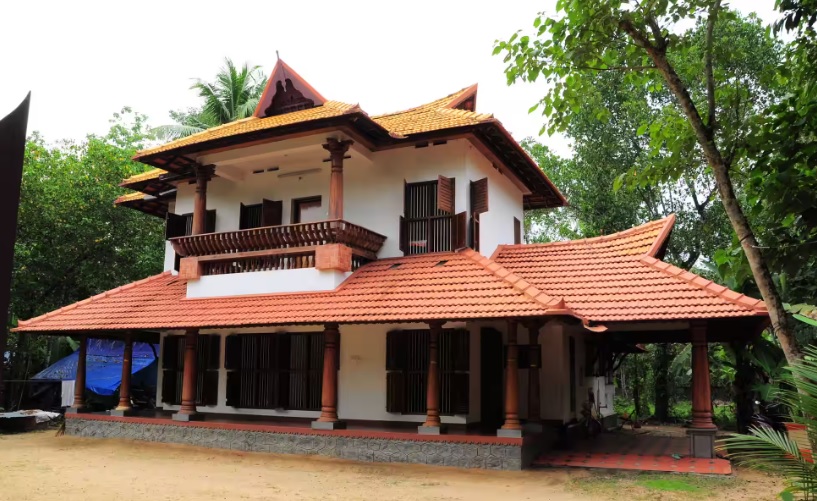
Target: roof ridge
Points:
(451, 97)
(101, 295)
(704, 284)
(602, 238)
(516, 281)
(663, 235)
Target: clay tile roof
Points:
(130, 197)
(444, 286)
(436, 115)
(145, 176)
(252, 124)
(618, 278)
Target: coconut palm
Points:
(765, 448)
(232, 96)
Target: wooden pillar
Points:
(188, 411)
(534, 395)
(329, 388)
(432, 424)
(702, 430)
(124, 406)
(203, 176)
(511, 428)
(79, 381)
(337, 152)
(701, 388)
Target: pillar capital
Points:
(337, 150)
(204, 173)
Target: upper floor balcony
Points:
(280, 247)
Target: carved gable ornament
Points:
(286, 92)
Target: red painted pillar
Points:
(203, 175)
(432, 424)
(701, 388)
(337, 152)
(534, 395)
(124, 406)
(188, 411)
(512, 427)
(79, 381)
(702, 430)
(329, 387)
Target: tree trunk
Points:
(742, 386)
(660, 379)
(706, 140)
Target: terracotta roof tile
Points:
(417, 290)
(130, 197)
(252, 124)
(144, 176)
(617, 278)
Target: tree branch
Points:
(710, 76)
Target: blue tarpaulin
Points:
(103, 365)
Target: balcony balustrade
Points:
(276, 247)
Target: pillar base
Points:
(329, 425)
(178, 416)
(506, 433)
(702, 442)
(122, 412)
(430, 430)
(78, 410)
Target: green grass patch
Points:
(669, 484)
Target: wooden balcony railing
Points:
(364, 242)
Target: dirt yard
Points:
(37, 466)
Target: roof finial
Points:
(277, 56)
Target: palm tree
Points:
(766, 448)
(232, 96)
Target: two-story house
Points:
(356, 285)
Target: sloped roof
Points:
(436, 115)
(141, 178)
(329, 109)
(619, 278)
(446, 286)
(597, 280)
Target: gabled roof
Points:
(618, 278)
(447, 117)
(597, 280)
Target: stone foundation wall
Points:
(340, 444)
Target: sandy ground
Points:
(37, 466)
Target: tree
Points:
(645, 42)
(232, 96)
(72, 242)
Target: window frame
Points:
(295, 212)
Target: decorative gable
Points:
(286, 92)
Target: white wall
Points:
(265, 282)
(361, 378)
(373, 188)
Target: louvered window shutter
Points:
(459, 228)
(172, 361)
(517, 231)
(283, 350)
(479, 196)
(445, 194)
(395, 375)
(272, 212)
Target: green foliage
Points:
(233, 95)
(72, 243)
(769, 449)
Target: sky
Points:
(84, 60)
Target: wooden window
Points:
(407, 354)
(428, 223)
(207, 355)
(572, 366)
(479, 204)
(307, 210)
(275, 371)
(181, 225)
(267, 213)
(517, 231)
(250, 216)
